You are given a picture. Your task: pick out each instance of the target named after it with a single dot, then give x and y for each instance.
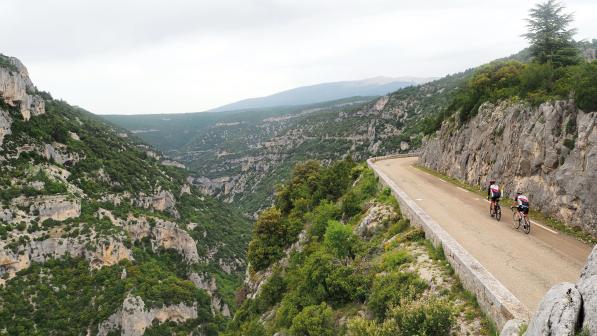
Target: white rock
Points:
(512, 328)
(558, 312)
(587, 286)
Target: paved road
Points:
(528, 265)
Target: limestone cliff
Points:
(81, 206)
(17, 89)
(549, 152)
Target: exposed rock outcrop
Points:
(56, 207)
(164, 234)
(549, 152)
(16, 89)
(376, 218)
(512, 328)
(567, 308)
(108, 252)
(162, 200)
(5, 122)
(587, 286)
(211, 288)
(134, 318)
(558, 312)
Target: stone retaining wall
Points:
(494, 299)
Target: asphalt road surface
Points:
(528, 265)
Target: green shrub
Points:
(351, 204)
(393, 289)
(427, 318)
(394, 259)
(320, 217)
(313, 321)
(586, 88)
(340, 240)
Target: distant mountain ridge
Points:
(375, 86)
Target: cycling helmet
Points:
(519, 193)
(491, 181)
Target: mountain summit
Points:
(375, 86)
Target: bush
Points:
(269, 238)
(320, 217)
(429, 318)
(340, 240)
(351, 204)
(394, 259)
(586, 89)
(313, 321)
(347, 284)
(272, 291)
(393, 289)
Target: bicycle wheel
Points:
(498, 213)
(516, 220)
(527, 225)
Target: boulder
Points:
(512, 328)
(558, 312)
(587, 286)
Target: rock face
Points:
(587, 286)
(108, 252)
(162, 200)
(211, 288)
(5, 122)
(549, 152)
(164, 234)
(567, 308)
(133, 319)
(558, 312)
(55, 207)
(512, 328)
(17, 89)
(376, 218)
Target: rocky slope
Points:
(549, 152)
(96, 235)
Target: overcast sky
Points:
(149, 56)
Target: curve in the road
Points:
(527, 265)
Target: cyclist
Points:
(494, 193)
(521, 202)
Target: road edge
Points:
(494, 298)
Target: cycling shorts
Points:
(524, 209)
(495, 198)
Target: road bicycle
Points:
(520, 217)
(495, 209)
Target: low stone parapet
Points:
(493, 297)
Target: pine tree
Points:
(551, 40)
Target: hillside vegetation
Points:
(333, 256)
(240, 156)
(95, 231)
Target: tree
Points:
(269, 238)
(313, 321)
(551, 40)
(340, 240)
